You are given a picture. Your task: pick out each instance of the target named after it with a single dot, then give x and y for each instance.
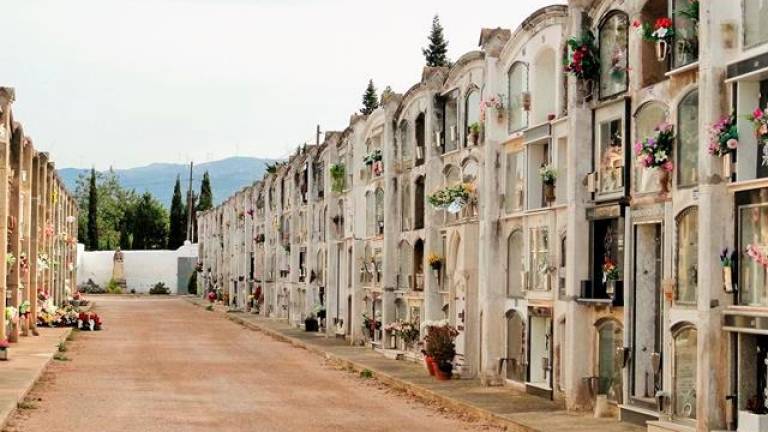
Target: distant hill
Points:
(227, 177)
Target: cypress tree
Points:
(205, 201)
(93, 208)
(436, 53)
(370, 99)
(178, 221)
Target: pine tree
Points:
(370, 99)
(93, 209)
(205, 201)
(436, 53)
(178, 228)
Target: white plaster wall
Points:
(143, 268)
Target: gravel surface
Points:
(162, 364)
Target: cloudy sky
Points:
(130, 82)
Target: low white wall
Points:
(143, 268)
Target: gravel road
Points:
(162, 364)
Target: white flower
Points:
(661, 33)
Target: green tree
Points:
(205, 201)
(149, 223)
(436, 53)
(113, 201)
(370, 99)
(178, 229)
(93, 208)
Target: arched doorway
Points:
(515, 364)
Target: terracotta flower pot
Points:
(442, 375)
(430, 364)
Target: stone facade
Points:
(666, 342)
(40, 218)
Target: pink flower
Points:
(732, 143)
(638, 148)
(757, 113)
(668, 166)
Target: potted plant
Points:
(440, 346)
(495, 102)
(435, 263)
(660, 33)
(759, 118)
(4, 345)
(583, 61)
(452, 198)
(548, 179)
(474, 133)
(610, 276)
(656, 151)
(755, 417)
(724, 139)
(338, 173)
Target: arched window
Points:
(469, 171)
(610, 338)
(418, 264)
(688, 140)
(405, 141)
(379, 211)
(515, 264)
(320, 266)
(684, 368)
(419, 199)
(451, 121)
(405, 273)
(517, 78)
(647, 118)
(370, 214)
(544, 79)
(687, 262)
(452, 175)
(516, 336)
(421, 138)
(471, 113)
(405, 210)
(613, 54)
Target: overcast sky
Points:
(131, 82)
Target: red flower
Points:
(636, 24)
(663, 22)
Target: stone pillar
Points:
(391, 221)
(578, 328)
(14, 217)
(433, 300)
(6, 98)
(34, 239)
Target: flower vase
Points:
(727, 166)
(662, 49)
(610, 287)
(549, 192)
(663, 181)
(430, 364)
(728, 279)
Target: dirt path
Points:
(165, 365)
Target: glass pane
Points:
(611, 156)
(518, 84)
(610, 339)
(405, 141)
(451, 123)
(539, 244)
(687, 255)
(753, 223)
(686, 37)
(649, 116)
(688, 140)
(473, 108)
(613, 55)
(755, 16)
(513, 194)
(514, 264)
(685, 374)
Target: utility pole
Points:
(190, 206)
(317, 136)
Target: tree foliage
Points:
(205, 201)
(370, 99)
(93, 206)
(149, 223)
(178, 222)
(436, 53)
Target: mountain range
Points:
(227, 177)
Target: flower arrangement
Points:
(655, 152)
(435, 261)
(374, 156)
(25, 308)
(724, 136)
(408, 331)
(49, 230)
(452, 197)
(440, 346)
(759, 118)
(661, 30)
(548, 174)
(89, 321)
(43, 262)
(495, 102)
(338, 171)
(10, 260)
(259, 238)
(757, 255)
(583, 60)
(371, 324)
(610, 270)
